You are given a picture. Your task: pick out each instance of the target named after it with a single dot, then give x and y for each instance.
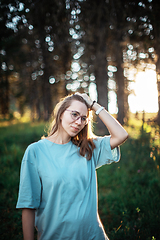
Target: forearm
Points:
(117, 132)
(28, 217)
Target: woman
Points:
(58, 189)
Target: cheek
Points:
(81, 128)
(65, 122)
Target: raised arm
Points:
(117, 132)
(28, 216)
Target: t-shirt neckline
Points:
(58, 144)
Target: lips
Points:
(75, 129)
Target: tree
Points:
(118, 32)
(8, 47)
(106, 31)
(94, 24)
(48, 24)
(42, 59)
(145, 37)
(154, 9)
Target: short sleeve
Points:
(30, 184)
(103, 154)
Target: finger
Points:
(77, 93)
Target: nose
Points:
(79, 120)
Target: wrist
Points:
(96, 106)
(99, 110)
(91, 106)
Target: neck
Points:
(59, 138)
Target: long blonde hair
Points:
(84, 139)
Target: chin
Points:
(73, 134)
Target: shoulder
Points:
(36, 144)
(32, 152)
(100, 140)
(33, 148)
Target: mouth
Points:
(75, 129)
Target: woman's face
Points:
(69, 125)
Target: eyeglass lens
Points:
(75, 116)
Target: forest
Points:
(53, 48)
(49, 49)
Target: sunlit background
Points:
(146, 94)
(138, 65)
(143, 98)
(142, 86)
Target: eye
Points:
(84, 119)
(75, 114)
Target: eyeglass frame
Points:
(86, 121)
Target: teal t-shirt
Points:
(62, 186)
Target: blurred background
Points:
(109, 49)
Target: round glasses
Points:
(76, 115)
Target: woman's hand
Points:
(85, 97)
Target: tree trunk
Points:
(156, 24)
(158, 85)
(46, 87)
(46, 97)
(102, 83)
(120, 83)
(4, 95)
(102, 80)
(34, 100)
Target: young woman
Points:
(58, 188)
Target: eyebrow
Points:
(78, 113)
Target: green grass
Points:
(129, 191)
(13, 141)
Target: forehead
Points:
(79, 107)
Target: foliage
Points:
(41, 41)
(13, 141)
(34, 53)
(129, 191)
